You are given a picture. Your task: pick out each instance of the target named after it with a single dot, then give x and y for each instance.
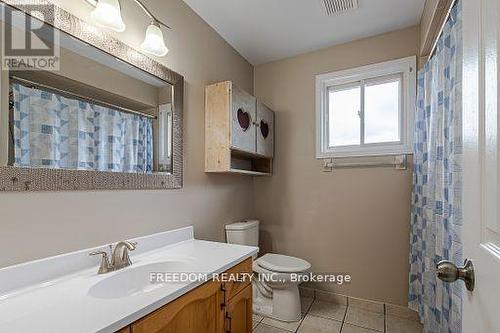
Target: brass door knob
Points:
(449, 272)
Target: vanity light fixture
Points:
(154, 42)
(107, 13)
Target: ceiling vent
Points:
(339, 6)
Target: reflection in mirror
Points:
(94, 113)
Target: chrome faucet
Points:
(104, 267)
(119, 257)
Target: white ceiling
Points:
(267, 30)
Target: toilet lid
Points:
(281, 263)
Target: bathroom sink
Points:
(136, 280)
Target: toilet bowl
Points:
(276, 288)
(277, 277)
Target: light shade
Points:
(153, 42)
(107, 14)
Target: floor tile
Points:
(398, 325)
(330, 297)
(306, 292)
(305, 303)
(366, 305)
(256, 320)
(401, 312)
(261, 328)
(328, 310)
(289, 326)
(348, 328)
(365, 318)
(312, 324)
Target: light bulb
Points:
(107, 14)
(153, 42)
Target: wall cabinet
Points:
(243, 117)
(265, 131)
(239, 131)
(214, 307)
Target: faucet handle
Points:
(104, 267)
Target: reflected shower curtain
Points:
(54, 131)
(436, 220)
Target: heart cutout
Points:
(264, 129)
(243, 119)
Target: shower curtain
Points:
(59, 132)
(436, 220)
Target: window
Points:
(366, 111)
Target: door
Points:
(243, 116)
(239, 312)
(265, 130)
(481, 201)
(198, 311)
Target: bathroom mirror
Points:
(80, 110)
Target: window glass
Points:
(382, 104)
(344, 120)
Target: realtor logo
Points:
(28, 42)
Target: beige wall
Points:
(35, 225)
(352, 220)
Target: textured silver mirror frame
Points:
(41, 179)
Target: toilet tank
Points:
(243, 233)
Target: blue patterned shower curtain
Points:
(436, 220)
(58, 132)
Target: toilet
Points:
(276, 290)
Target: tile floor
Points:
(329, 313)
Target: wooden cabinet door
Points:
(242, 273)
(243, 117)
(239, 312)
(199, 311)
(124, 330)
(265, 131)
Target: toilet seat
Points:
(282, 264)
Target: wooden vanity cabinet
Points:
(239, 132)
(214, 307)
(124, 330)
(195, 312)
(242, 271)
(239, 312)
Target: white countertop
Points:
(36, 301)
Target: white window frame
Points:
(406, 68)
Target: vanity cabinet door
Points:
(241, 274)
(198, 311)
(239, 312)
(265, 131)
(243, 115)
